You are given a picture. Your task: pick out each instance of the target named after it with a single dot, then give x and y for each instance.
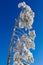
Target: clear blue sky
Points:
(8, 12)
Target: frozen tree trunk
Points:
(22, 38)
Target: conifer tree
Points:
(22, 38)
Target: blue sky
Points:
(8, 12)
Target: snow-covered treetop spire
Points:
(26, 41)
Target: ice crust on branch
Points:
(26, 42)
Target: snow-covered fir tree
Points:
(26, 41)
(22, 38)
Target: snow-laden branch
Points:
(26, 16)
